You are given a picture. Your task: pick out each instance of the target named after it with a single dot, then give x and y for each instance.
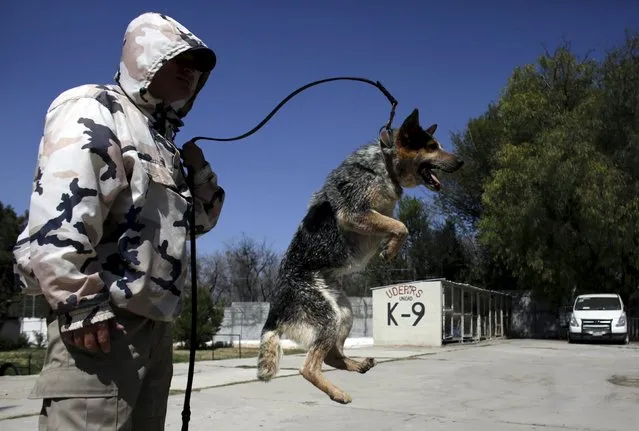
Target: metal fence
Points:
(29, 306)
(472, 314)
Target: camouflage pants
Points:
(126, 389)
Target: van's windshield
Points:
(598, 303)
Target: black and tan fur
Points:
(347, 221)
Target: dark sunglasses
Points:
(191, 60)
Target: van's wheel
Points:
(8, 366)
(626, 340)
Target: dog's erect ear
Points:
(409, 131)
(411, 122)
(431, 129)
(386, 138)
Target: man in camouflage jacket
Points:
(108, 227)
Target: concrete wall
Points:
(247, 318)
(534, 319)
(32, 326)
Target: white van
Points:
(598, 316)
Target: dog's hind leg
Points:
(335, 357)
(312, 371)
(270, 354)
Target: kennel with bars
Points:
(438, 311)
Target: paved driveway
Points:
(510, 385)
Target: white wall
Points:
(247, 319)
(396, 312)
(30, 326)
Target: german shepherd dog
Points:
(347, 221)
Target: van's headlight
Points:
(573, 321)
(621, 321)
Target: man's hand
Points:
(193, 156)
(93, 338)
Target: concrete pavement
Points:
(506, 385)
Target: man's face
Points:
(177, 79)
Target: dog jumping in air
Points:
(348, 220)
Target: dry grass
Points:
(182, 355)
(20, 357)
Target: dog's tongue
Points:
(435, 181)
(430, 178)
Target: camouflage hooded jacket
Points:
(108, 216)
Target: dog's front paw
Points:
(392, 244)
(387, 255)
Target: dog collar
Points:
(388, 163)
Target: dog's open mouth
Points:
(430, 179)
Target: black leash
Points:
(186, 412)
(377, 84)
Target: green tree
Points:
(448, 256)
(556, 208)
(417, 214)
(460, 198)
(209, 319)
(10, 226)
(618, 109)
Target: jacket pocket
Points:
(160, 174)
(166, 202)
(163, 221)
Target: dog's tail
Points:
(270, 354)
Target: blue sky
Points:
(449, 60)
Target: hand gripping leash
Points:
(186, 412)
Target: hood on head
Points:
(151, 40)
